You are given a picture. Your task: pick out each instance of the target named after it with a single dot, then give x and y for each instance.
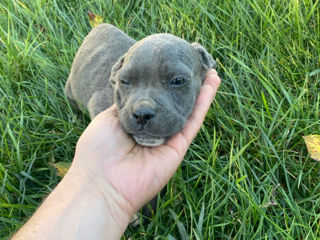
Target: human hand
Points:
(128, 174)
(111, 177)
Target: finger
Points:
(113, 110)
(202, 105)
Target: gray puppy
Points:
(154, 81)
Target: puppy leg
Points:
(147, 211)
(68, 93)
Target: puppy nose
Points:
(143, 115)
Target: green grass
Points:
(246, 176)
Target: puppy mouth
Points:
(147, 140)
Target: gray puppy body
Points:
(88, 85)
(154, 81)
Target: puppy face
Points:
(156, 84)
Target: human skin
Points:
(111, 177)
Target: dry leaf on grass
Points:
(313, 146)
(62, 168)
(94, 19)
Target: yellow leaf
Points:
(313, 146)
(94, 19)
(62, 168)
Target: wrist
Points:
(97, 191)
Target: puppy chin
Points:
(148, 141)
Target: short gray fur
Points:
(140, 77)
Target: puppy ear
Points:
(116, 67)
(205, 58)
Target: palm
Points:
(132, 170)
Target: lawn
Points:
(247, 175)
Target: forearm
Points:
(76, 210)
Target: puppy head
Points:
(156, 84)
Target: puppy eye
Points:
(124, 82)
(178, 81)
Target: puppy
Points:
(154, 81)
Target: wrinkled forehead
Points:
(161, 53)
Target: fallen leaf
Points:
(62, 168)
(94, 19)
(313, 146)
